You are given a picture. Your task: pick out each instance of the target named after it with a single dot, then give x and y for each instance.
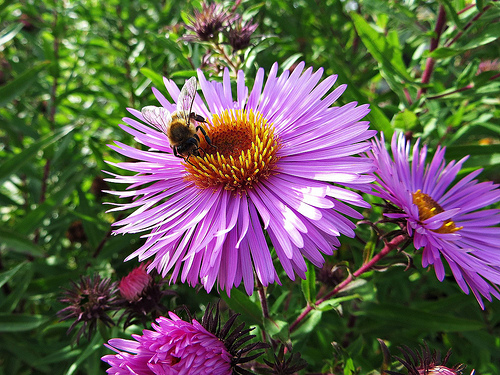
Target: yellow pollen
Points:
(245, 152)
(428, 207)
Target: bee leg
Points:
(175, 152)
(196, 117)
(207, 138)
(187, 160)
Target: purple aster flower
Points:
(277, 150)
(445, 219)
(174, 347)
(179, 347)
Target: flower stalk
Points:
(389, 246)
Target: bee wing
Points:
(157, 116)
(186, 99)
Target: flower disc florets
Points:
(428, 208)
(245, 152)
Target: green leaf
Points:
(92, 347)
(33, 219)
(183, 74)
(309, 284)
(468, 73)
(405, 120)
(383, 48)
(10, 32)
(17, 294)
(156, 78)
(287, 64)
(7, 275)
(456, 152)
(240, 303)
(333, 304)
(18, 243)
(452, 13)
(59, 356)
(14, 88)
(445, 52)
(277, 329)
(15, 162)
(20, 322)
(489, 35)
(395, 315)
(311, 322)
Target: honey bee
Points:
(178, 125)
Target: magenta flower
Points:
(179, 347)
(448, 221)
(174, 347)
(276, 150)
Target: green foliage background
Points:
(69, 70)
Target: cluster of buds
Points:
(207, 346)
(91, 301)
(224, 30)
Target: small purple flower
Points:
(448, 221)
(179, 347)
(275, 151)
(174, 347)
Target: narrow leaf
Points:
(20, 322)
(7, 275)
(19, 244)
(14, 88)
(380, 48)
(240, 302)
(10, 32)
(15, 162)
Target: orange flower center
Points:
(244, 153)
(428, 207)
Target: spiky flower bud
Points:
(207, 23)
(90, 301)
(288, 366)
(240, 33)
(426, 362)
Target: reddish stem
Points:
(469, 24)
(389, 246)
(429, 64)
(263, 299)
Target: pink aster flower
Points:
(448, 220)
(277, 150)
(174, 347)
(179, 347)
